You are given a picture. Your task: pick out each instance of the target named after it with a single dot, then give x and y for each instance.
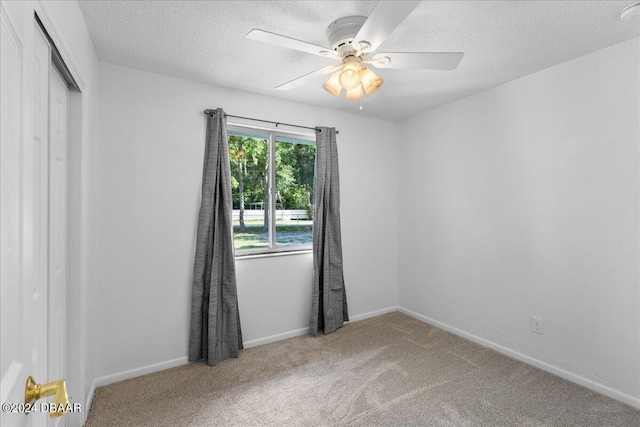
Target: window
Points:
(272, 185)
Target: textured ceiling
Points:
(205, 42)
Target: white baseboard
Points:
(305, 331)
(131, 373)
(275, 338)
(592, 385)
(371, 314)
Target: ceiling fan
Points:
(353, 41)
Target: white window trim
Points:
(271, 135)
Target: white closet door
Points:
(25, 192)
(33, 216)
(58, 136)
(15, 364)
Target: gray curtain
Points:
(215, 320)
(329, 304)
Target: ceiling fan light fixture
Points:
(329, 54)
(370, 81)
(333, 84)
(354, 93)
(354, 41)
(350, 77)
(362, 47)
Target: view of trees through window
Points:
(292, 192)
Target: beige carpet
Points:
(391, 370)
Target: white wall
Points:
(524, 201)
(149, 173)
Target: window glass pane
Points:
(248, 157)
(295, 164)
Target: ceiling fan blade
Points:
(416, 60)
(386, 16)
(288, 42)
(306, 78)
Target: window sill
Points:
(273, 254)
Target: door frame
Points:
(77, 230)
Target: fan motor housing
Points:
(342, 31)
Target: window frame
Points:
(271, 136)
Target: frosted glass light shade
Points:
(354, 93)
(350, 78)
(333, 84)
(369, 81)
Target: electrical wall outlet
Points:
(537, 325)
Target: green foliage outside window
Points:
(294, 175)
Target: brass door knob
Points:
(58, 388)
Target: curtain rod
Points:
(266, 121)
